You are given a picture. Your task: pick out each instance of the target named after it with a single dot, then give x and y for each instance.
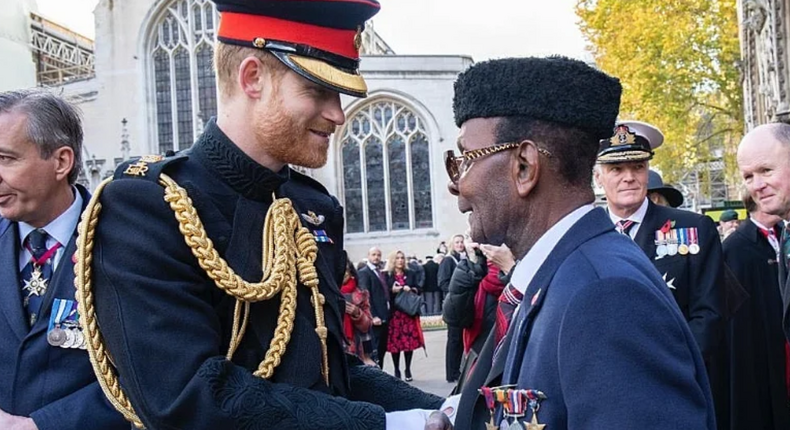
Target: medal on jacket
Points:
(488, 395)
(694, 239)
(37, 284)
(535, 397)
(661, 245)
(672, 246)
(683, 249)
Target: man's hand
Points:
(376, 321)
(500, 256)
(470, 246)
(438, 420)
(13, 422)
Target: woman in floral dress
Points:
(405, 333)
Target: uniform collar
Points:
(62, 227)
(219, 154)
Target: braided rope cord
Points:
(289, 250)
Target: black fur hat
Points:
(556, 89)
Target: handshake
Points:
(423, 419)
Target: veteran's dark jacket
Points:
(699, 291)
(54, 386)
(604, 341)
(167, 325)
(757, 343)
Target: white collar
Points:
(637, 216)
(535, 257)
(372, 267)
(62, 227)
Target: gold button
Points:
(259, 42)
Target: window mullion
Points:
(363, 172)
(410, 183)
(173, 97)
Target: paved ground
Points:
(428, 372)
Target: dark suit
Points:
(54, 386)
(699, 291)
(379, 307)
(757, 343)
(784, 288)
(433, 295)
(168, 326)
(604, 341)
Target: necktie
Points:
(507, 304)
(36, 273)
(770, 235)
(624, 226)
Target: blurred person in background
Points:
(405, 333)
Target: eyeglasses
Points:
(457, 165)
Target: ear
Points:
(63, 158)
(251, 77)
(526, 169)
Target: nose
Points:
(758, 183)
(453, 188)
(334, 111)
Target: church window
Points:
(385, 157)
(182, 79)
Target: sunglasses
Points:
(457, 165)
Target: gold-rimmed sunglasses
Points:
(457, 165)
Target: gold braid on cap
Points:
(289, 250)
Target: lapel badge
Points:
(313, 219)
(535, 297)
(322, 237)
(358, 38)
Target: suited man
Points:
(43, 384)
(764, 162)
(431, 291)
(372, 280)
(758, 362)
(598, 338)
(683, 246)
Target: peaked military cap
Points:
(555, 89)
(632, 141)
(318, 39)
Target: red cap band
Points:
(243, 27)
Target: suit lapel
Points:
(645, 236)
(10, 289)
(595, 223)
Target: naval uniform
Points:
(167, 326)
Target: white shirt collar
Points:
(637, 216)
(62, 227)
(372, 267)
(535, 257)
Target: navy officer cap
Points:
(556, 89)
(318, 39)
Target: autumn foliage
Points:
(678, 63)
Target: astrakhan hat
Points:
(318, 39)
(632, 141)
(555, 89)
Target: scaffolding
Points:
(60, 54)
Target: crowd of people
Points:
(210, 289)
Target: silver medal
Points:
(694, 248)
(672, 249)
(79, 339)
(70, 338)
(56, 337)
(661, 251)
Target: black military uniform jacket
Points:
(167, 326)
(697, 283)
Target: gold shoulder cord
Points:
(288, 250)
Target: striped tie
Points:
(508, 302)
(624, 226)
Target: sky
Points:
(483, 29)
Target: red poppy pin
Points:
(667, 226)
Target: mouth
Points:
(324, 134)
(4, 198)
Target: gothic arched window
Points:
(181, 51)
(385, 159)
